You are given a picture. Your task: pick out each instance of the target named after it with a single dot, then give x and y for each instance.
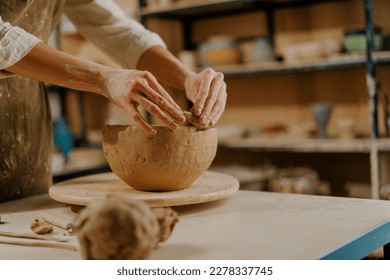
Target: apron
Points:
(25, 122)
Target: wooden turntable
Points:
(81, 191)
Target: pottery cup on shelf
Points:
(321, 113)
(167, 161)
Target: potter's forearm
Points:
(52, 66)
(164, 66)
(126, 88)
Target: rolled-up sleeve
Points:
(110, 29)
(15, 43)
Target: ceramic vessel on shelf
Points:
(347, 128)
(219, 50)
(321, 114)
(300, 180)
(158, 3)
(169, 160)
(385, 191)
(257, 50)
(310, 50)
(188, 58)
(355, 40)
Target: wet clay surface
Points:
(169, 160)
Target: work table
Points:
(246, 225)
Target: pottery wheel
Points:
(82, 190)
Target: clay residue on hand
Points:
(88, 75)
(192, 119)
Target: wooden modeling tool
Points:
(58, 222)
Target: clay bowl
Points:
(167, 161)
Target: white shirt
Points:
(101, 21)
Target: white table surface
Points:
(247, 225)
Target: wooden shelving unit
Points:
(377, 150)
(207, 8)
(338, 62)
(307, 145)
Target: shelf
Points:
(208, 8)
(337, 62)
(202, 8)
(307, 145)
(187, 10)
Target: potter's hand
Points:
(207, 90)
(130, 88)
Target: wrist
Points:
(105, 81)
(188, 83)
